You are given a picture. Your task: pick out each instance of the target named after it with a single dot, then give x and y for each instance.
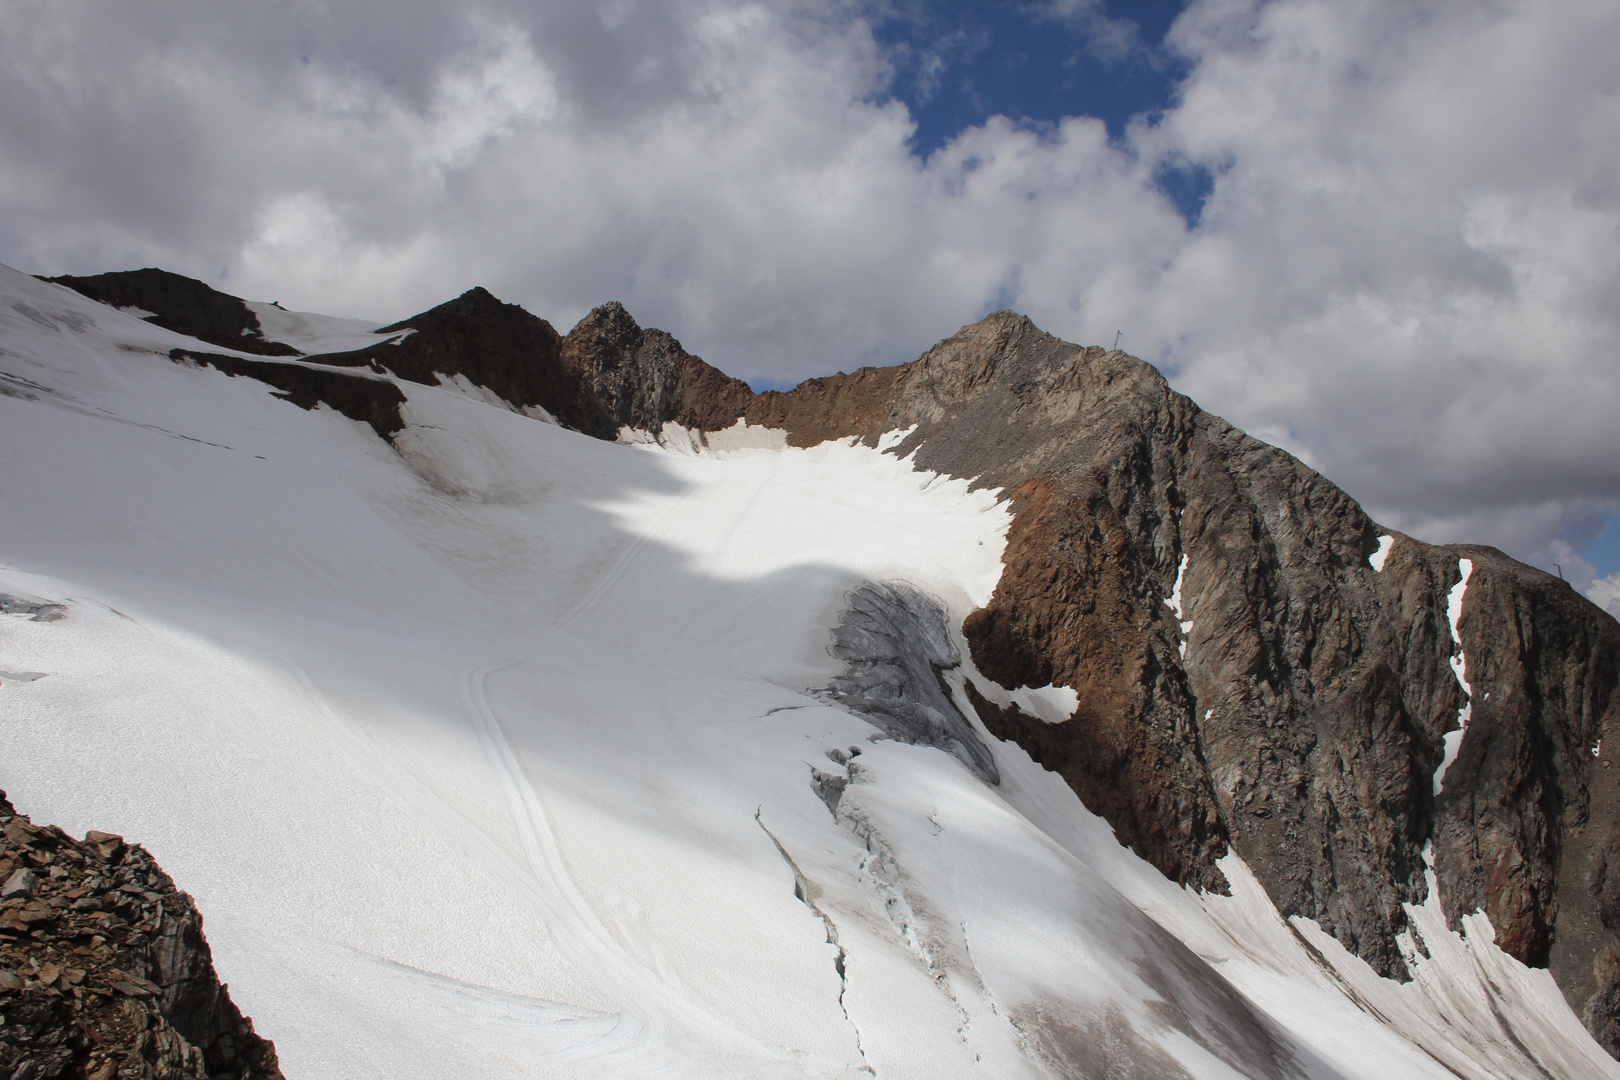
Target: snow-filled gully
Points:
(1459, 667)
(511, 753)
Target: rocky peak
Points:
(492, 344)
(630, 377)
(467, 312)
(607, 337)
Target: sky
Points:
(1381, 235)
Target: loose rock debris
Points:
(104, 971)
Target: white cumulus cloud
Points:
(1407, 270)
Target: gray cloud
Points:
(1407, 271)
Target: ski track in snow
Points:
(593, 946)
(469, 751)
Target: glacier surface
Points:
(500, 752)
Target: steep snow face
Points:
(505, 752)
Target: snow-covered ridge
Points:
(311, 333)
(491, 754)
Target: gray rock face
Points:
(895, 643)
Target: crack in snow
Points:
(803, 893)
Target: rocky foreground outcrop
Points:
(104, 971)
(1247, 679)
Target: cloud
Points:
(1605, 593)
(1408, 258)
(1406, 270)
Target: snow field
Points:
(311, 333)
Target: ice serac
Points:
(1303, 725)
(896, 645)
(103, 967)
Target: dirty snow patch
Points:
(680, 439)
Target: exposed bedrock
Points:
(1295, 709)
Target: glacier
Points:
(500, 751)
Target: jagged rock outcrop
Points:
(104, 971)
(183, 305)
(1295, 709)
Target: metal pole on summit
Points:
(1117, 335)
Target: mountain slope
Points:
(1246, 675)
(545, 742)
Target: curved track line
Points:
(623, 1032)
(592, 947)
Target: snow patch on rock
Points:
(1459, 661)
(1386, 543)
(1174, 602)
(1052, 704)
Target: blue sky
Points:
(959, 64)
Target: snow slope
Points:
(492, 755)
(311, 333)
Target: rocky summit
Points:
(1260, 668)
